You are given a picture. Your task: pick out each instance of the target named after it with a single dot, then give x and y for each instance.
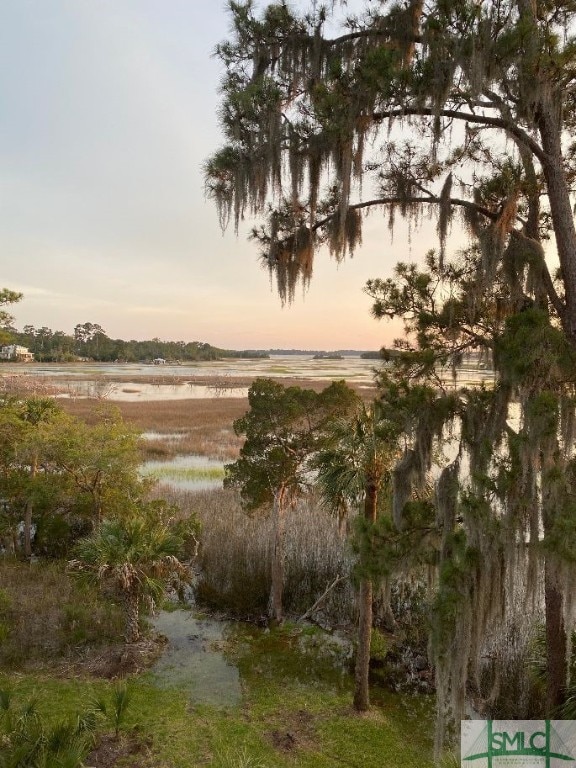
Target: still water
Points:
(141, 391)
(193, 659)
(140, 382)
(352, 368)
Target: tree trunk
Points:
(279, 517)
(561, 211)
(132, 615)
(28, 529)
(552, 488)
(556, 643)
(362, 669)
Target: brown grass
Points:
(206, 424)
(234, 561)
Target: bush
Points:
(28, 740)
(57, 534)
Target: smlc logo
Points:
(526, 743)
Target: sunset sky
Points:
(108, 111)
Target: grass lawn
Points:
(293, 713)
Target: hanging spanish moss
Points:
(486, 92)
(505, 507)
(444, 216)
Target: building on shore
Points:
(17, 354)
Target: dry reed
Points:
(234, 560)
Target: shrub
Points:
(29, 741)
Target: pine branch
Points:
(363, 34)
(431, 200)
(497, 122)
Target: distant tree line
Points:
(90, 341)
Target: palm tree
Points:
(354, 468)
(135, 558)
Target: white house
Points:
(16, 353)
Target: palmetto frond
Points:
(133, 554)
(360, 450)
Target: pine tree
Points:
(485, 92)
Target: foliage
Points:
(117, 707)
(483, 88)
(90, 341)
(508, 478)
(62, 475)
(101, 463)
(283, 428)
(7, 297)
(28, 741)
(354, 467)
(134, 558)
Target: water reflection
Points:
(135, 391)
(130, 382)
(351, 368)
(192, 659)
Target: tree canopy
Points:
(464, 109)
(91, 341)
(7, 297)
(453, 106)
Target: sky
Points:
(108, 112)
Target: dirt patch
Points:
(297, 732)
(132, 750)
(118, 661)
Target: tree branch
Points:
(432, 200)
(322, 597)
(469, 117)
(363, 33)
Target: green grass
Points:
(187, 473)
(293, 714)
(324, 731)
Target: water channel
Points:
(208, 658)
(193, 659)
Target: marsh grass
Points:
(46, 614)
(234, 561)
(205, 424)
(186, 473)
